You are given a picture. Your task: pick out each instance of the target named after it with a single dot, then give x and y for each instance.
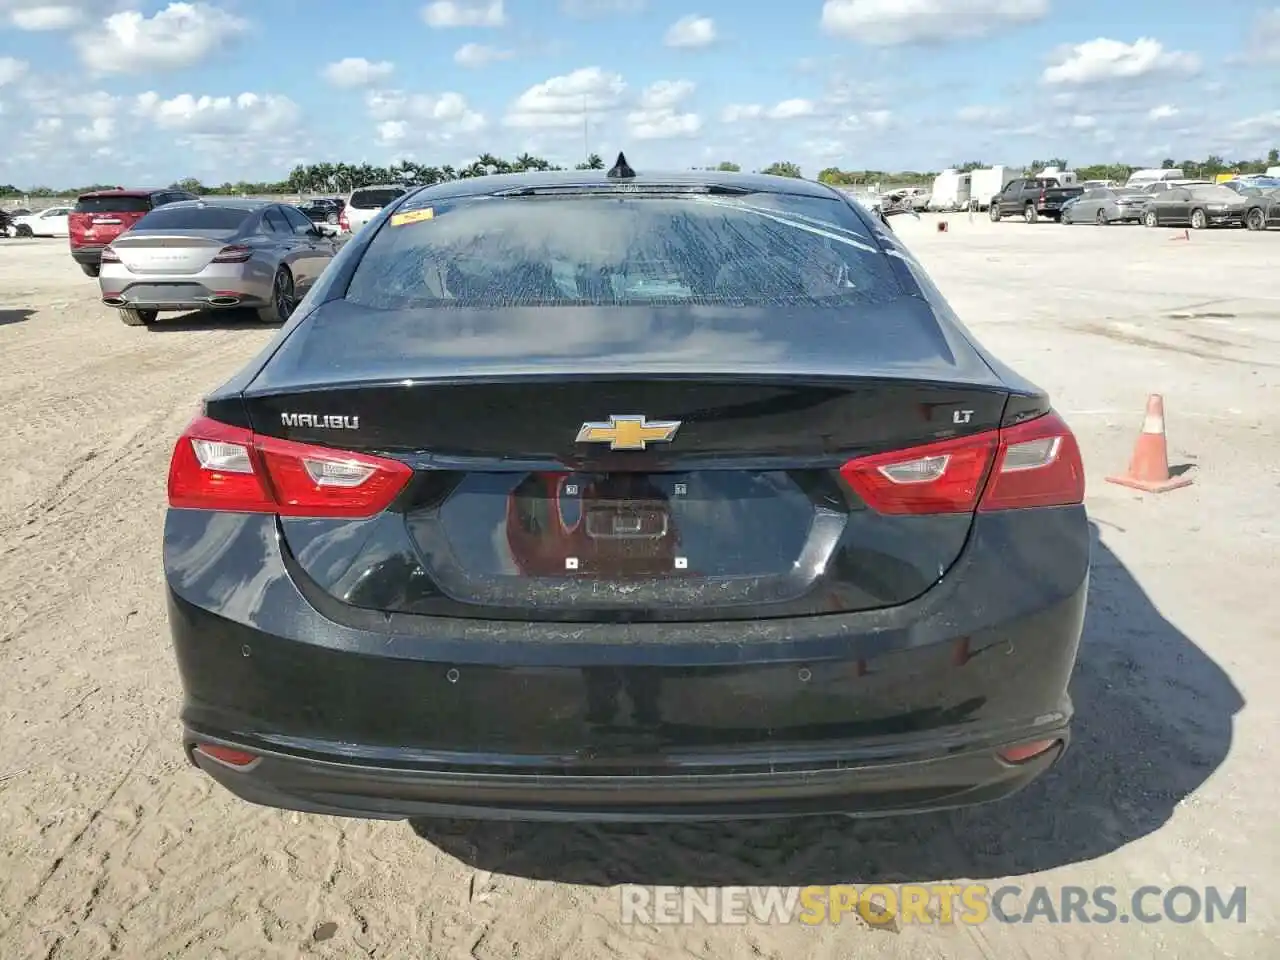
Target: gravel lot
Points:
(111, 845)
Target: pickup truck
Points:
(1032, 198)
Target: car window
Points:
(203, 217)
(619, 249)
(298, 220)
(274, 222)
(375, 198)
(113, 204)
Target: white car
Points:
(365, 203)
(46, 223)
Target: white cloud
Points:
(1164, 111)
(357, 72)
(178, 36)
(54, 100)
(246, 115)
(464, 13)
(422, 117)
(659, 116)
(981, 114)
(1082, 121)
(601, 8)
(479, 55)
(48, 125)
(100, 130)
(45, 16)
(11, 70)
(562, 101)
(691, 31)
(868, 120)
(792, 109)
(1263, 44)
(1101, 60)
(889, 23)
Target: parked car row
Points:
(1253, 203)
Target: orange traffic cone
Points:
(1149, 468)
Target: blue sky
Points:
(147, 92)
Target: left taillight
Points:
(1033, 464)
(216, 466)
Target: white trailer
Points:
(951, 191)
(985, 184)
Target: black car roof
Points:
(568, 179)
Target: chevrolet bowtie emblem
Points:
(629, 433)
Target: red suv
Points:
(101, 216)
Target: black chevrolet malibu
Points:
(625, 496)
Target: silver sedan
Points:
(1104, 205)
(214, 254)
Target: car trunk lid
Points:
(180, 254)
(532, 497)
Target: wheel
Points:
(282, 302)
(994, 212)
(1029, 213)
(1149, 219)
(1100, 218)
(1255, 219)
(24, 230)
(1198, 220)
(1065, 217)
(138, 318)
(90, 269)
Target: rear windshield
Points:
(193, 218)
(374, 199)
(113, 205)
(620, 249)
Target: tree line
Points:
(341, 178)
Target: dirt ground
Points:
(111, 845)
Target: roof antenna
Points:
(621, 169)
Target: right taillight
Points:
(1032, 464)
(1038, 465)
(236, 253)
(216, 466)
(343, 222)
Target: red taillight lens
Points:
(1033, 464)
(343, 222)
(109, 255)
(236, 253)
(220, 467)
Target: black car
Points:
(588, 496)
(321, 210)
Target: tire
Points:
(1029, 214)
(1149, 219)
(1065, 217)
(1101, 218)
(138, 318)
(91, 269)
(1198, 220)
(993, 212)
(23, 230)
(1255, 219)
(282, 300)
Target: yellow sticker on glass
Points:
(412, 216)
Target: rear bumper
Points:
(176, 294)
(852, 785)
(87, 254)
(883, 712)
